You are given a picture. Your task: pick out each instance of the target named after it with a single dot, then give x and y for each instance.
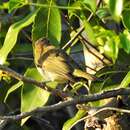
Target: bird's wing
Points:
(59, 66)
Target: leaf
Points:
(68, 124)
(32, 96)
(13, 88)
(4, 5)
(3, 89)
(115, 7)
(107, 42)
(14, 4)
(111, 48)
(106, 85)
(102, 13)
(90, 3)
(125, 41)
(126, 81)
(12, 34)
(126, 18)
(89, 32)
(47, 24)
(91, 60)
(109, 80)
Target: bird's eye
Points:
(45, 40)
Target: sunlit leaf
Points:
(90, 3)
(116, 7)
(3, 90)
(68, 124)
(89, 32)
(125, 41)
(126, 81)
(111, 48)
(47, 24)
(76, 13)
(12, 34)
(4, 5)
(126, 18)
(102, 13)
(32, 96)
(12, 89)
(91, 60)
(14, 4)
(107, 42)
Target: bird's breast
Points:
(49, 76)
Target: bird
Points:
(54, 64)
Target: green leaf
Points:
(12, 34)
(14, 4)
(106, 85)
(89, 32)
(102, 13)
(4, 5)
(111, 48)
(13, 88)
(32, 96)
(90, 3)
(126, 18)
(68, 124)
(107, 42)
(47, 24)
(125, 41)
(115, 7)
(4, 88)
(109, 81)
(126, 81)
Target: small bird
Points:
(55, 65)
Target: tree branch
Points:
(74, 101)
(42, 85)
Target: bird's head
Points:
(39, 47)
(41, 44)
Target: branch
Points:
(74, 101)
(100, 111)
(42, 85)
(18, 76)
(68, 44)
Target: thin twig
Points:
(94, 52)
(26, 35)
(89, 45)
(101, 110)
(68, 44)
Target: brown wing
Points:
(57, 64)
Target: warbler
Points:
(55, 65)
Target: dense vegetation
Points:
(95, 33)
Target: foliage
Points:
(107, 49)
